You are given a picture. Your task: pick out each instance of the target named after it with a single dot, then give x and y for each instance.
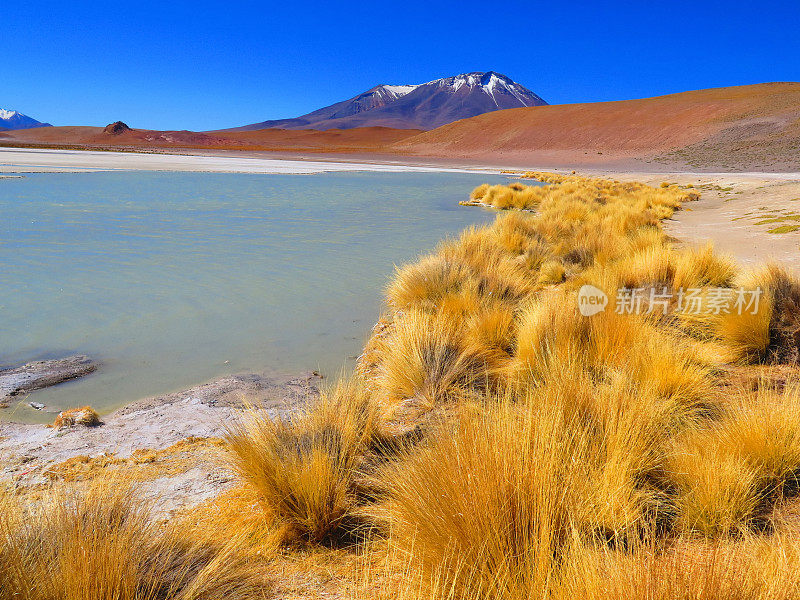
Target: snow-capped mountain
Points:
(11, 119)
(422, 106)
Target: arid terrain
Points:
(727, 129)
(745, 128)
(366, 139)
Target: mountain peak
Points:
(491, 83)
(12, 119)
(418, 106)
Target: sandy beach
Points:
(749, 216)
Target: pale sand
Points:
(26, 160)
(731, 217)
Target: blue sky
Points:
(205, 65)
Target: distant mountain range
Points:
(11, 119)
(423, 106)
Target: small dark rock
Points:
(116, 128)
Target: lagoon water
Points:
(174, 279)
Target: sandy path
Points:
(739, 214)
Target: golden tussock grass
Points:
(478, 522)
(102, 545)
(86, 416)
(305, 470)
(733, 473)
(750, 569)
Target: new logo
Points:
(591, 300)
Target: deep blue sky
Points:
(202, 65)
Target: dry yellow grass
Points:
(304, 471)
(85, 416)
(102, 545)
(750, 569)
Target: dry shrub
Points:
(752, 569)
(783, 292)
(716, 493)
(481, 509)
(85, 416)
(702, 267)
(732, 474)
(479, 192)
(553, 335)
(102, 545)
(492, 505)
(430, 360)
(766, 332)
(552, 272)
(304, 470)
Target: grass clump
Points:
(479, 521)
(768, 331)
(102, 545)
(429, 361)
(733, 473)
(85, 416)
(784, 229)
(305, 470)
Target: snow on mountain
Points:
(422, 106)
(491, 84)
(12, 119)
(399, 90)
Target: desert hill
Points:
(745, 127)
(365, 139)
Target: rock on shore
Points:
(30, 452)
(41, 374)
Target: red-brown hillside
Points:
(758, 125)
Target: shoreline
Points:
(263, 162)
(28, 160)
(158, 423)
(148, 431)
